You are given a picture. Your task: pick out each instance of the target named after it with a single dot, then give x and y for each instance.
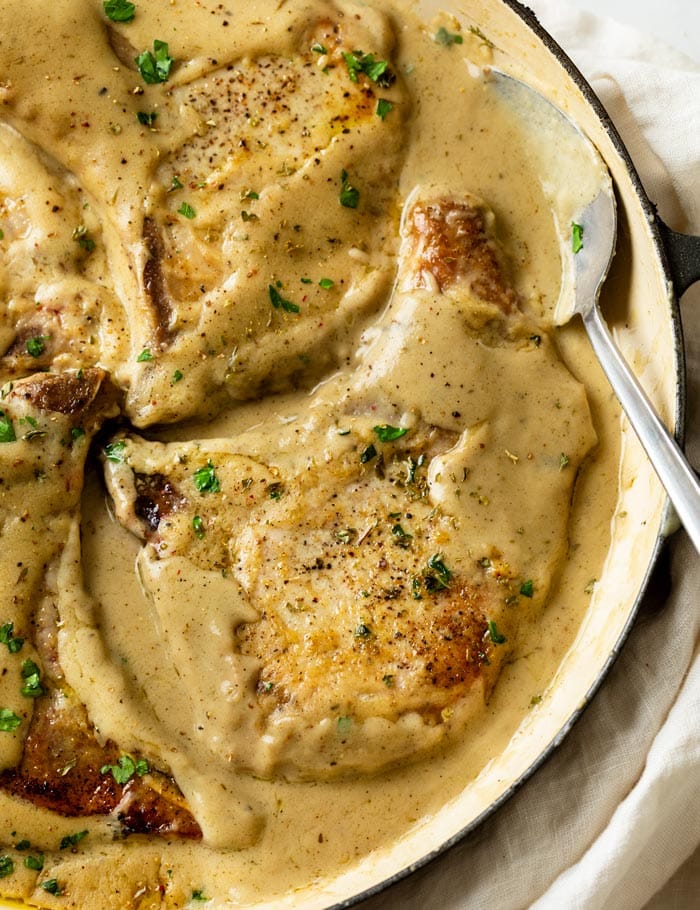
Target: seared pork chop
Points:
(360, 531)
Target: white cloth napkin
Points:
(613, 819)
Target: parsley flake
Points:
(527, 589)
(145, 356)
(368, 454)
(495, 635)
(8, 638)
(70, 840)
(119, 10)
(205, 479)
(31, 675)
(76, 433)
(384, 107)
(7, 866)
(576, 237)
(278, 301)
(442, 36)
(83, 239)
(437, 576)
(34, 862)
(126, 768)
(146, 119)
(199, 895)
(186, 211)
(318, 48)
(563, 461)
(376, 70)
(51, 885)
(175, 184)
(387, 433)
(155, 67)
(7, 431)
(114, 451)
(326, 283)
(349, 195)
(8, 720)
(177, 376)
(198, 527)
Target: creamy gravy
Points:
(267, 838)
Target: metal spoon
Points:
(595, 219)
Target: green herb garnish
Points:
(205, 479)
(83, 239)
(114, 451)
(126, 768)
(494, 634)
(278, 301)
(349, 195)
(7, 637)
(527, 589)
(275, 490)
(175, 184)
(51, 885)
(442, 36)
(368, 454)
(146, 119)
(344, 724)
(70, 840)
(576, 237)
(155, 67)
(386, 433)
(119, 10)
(437, 577)
(199, 895)
(401, 537)
(7, 431)
(34, 862)
(376, 70)
(563, 461)
(186, 211)
(145, 356)
(177, 376)
(8, 720)
(383, 107)
(326, 283)
(363, 631)
(198, 527)
(76, 433)
(319, 48)
(31, 675)
(7, 866)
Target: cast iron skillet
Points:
(679, 258)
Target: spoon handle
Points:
(674, 472)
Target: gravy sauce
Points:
(266, 839)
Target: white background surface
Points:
(675, 22)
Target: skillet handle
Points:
(683, 251)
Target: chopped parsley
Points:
(70, 840)
(7, 867)
(146, 119)
(177, 376)
(278, 301)
(249, 194)
(442, 36)
(36, 345)
(401, 537)
(275, 490)
(481, 36)
(145, 356)
(186, 211)
(114, 451)
(7, 431)
(563, 461)
(363, 631)
(326, 283)
(318, 48)
(199, 895)
(22, 845)
(31, 675)
(205, 479)
(384, 107)
(527, 589)
(376, 70)
(388, 680)
(345, 535)
(34, 862)
(349, 195)
(76, 433)
(8, 720)
(175, 184)
(119, 10)
(387, 433)
(576, 237)
(437, 576)
(7, 637)
(368, 454)
(83, 239)
(198, 527)
(126, 768)
(155, 67)
(495, 635)
(51, 885)
(248, 216)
